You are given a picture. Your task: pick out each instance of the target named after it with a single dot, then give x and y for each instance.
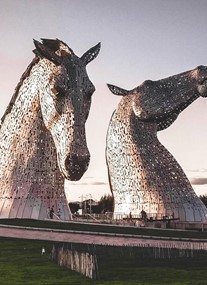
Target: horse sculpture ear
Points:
(92, 53)
(43, 51)
(117, 90)
(52, 44)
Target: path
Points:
(96, 238)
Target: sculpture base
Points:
(35, 208)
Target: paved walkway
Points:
(96, 238)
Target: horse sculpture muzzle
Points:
(73, 166)
(202, 82)
(202, 88)
(76, 165)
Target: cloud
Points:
(88, 183)
(99, 183)
(201, 170)
(198, 180)
(89, 177)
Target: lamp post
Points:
(83, 202)
(90, 201)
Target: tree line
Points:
(204, 199)
(105, 204)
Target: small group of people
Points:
(51, 213)
(143, 215)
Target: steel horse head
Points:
(161, 101)
(42, 133)
(143, 174)
(65, 98)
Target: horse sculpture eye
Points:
(59, 91)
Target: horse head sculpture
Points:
(65, 98)
(42, 133)
(161, 101)
(143, 174)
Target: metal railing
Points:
(125, 220)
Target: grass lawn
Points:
(21, 262)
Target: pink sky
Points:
(140, 40)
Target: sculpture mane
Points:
(23, 77)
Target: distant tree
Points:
(95, 209)
(204, 199)
(106, 204)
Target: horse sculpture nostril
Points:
(76, 166)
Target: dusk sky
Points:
(141, 39)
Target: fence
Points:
(122, 219)
(80, 259)
(86, 258)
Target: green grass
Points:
(21, 263)
(153, 272)
(105, 228)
